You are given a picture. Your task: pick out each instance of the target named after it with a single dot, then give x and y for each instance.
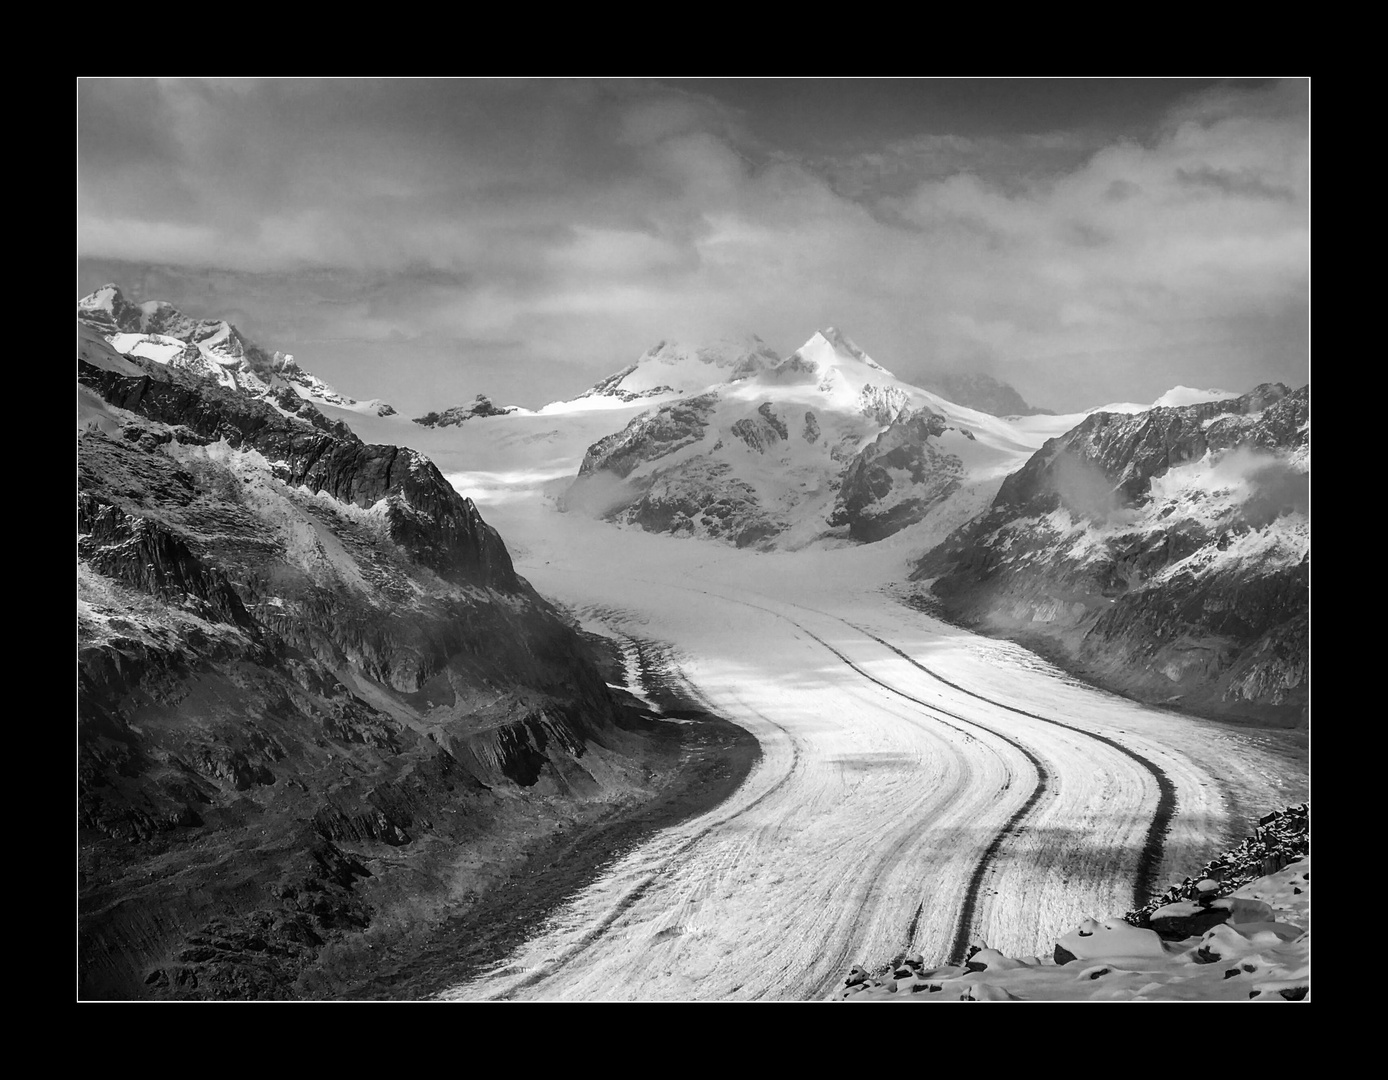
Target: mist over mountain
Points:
(976, 390)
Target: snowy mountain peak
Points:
(156, 330)
(102, 299)
(831, 349)
(673, 368)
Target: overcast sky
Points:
(423, 241)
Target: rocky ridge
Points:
(156, 330)
(458, 414)
(1164, 554)
(310, 684)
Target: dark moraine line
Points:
(969, 905)
(1154, 846)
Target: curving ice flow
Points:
(919, 786)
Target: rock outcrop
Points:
(1280, 839)
(895, 480)
(459, 414)
(156, 330)
(1164, 554)
(298, 653)
(1243, 934)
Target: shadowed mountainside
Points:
(314, 698)
(1163, 554)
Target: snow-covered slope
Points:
(826, 444)
(670, 369)
(1173, 398)
(157, 331)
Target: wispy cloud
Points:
(586, 220)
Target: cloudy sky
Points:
(423, 241)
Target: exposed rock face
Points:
(1123, 453)
(975, 390)
(438, 526)
(882, 404)
(1281, 838)
(704, 499)
(897, 478)
(156, 330)
(762, 431)
(1165, 554)
(296, 653)
(650, 436)
(612, 387)
(459, 414)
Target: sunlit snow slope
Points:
(919, 787)
(826, 444)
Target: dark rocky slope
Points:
(459, 414)
(314, 697)
(897, 478)
(1163, 554)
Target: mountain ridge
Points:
(158, 331)
(314, 698)
(1164, 554)
(764, 459)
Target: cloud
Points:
(588, 219)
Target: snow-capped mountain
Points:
(1164, 553)
(824, 444)
(1173, 398)
(671, 368)
(158, 331)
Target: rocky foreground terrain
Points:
(1164, 554)
(1239, 930)
(315, 699)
